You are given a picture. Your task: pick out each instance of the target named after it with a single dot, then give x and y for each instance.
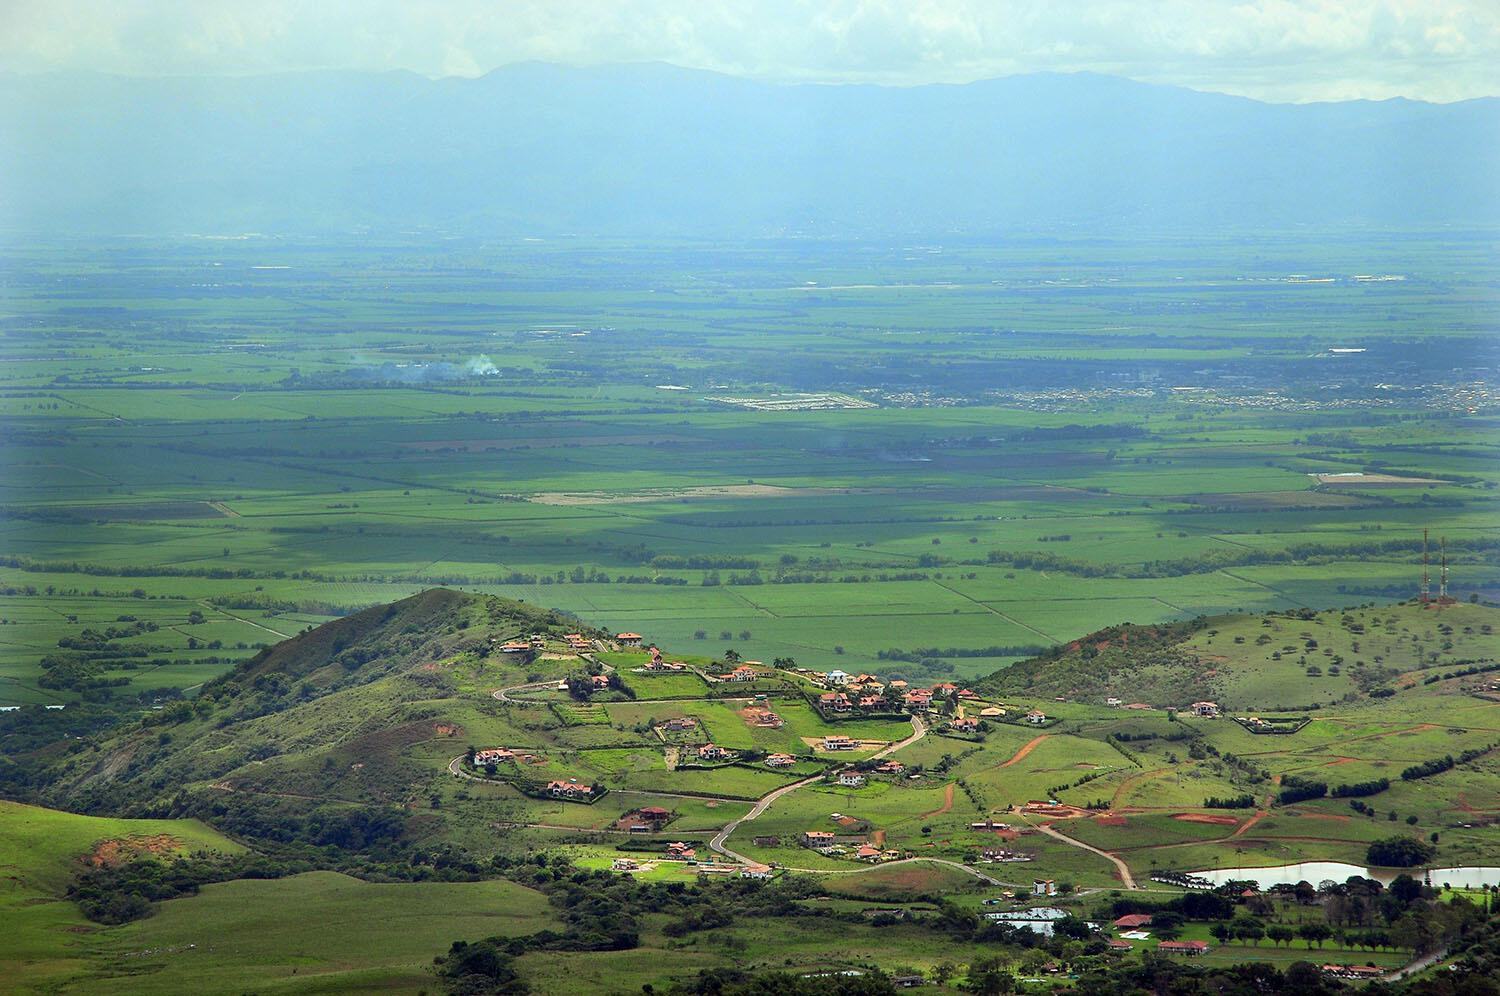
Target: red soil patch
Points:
(1218, 821)
(109, 853)
(878, 838)
(1326, 816)
(449, 730)
(947, 803)
(1112, 821)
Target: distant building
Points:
(851, 779)
(1044, 887)
(1206, 709)
(629, 639)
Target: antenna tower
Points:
(1426, 578)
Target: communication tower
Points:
(1426, 578)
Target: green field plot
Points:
(321, 925)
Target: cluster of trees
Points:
(1295, 788)
(1438, 765)
(119, 893)
(1246, 801)
(1400, 851)
(1360, 789)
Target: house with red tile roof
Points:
(712, 752)
(780, 761)
(570, 789)
(630, 639)
(837, 701)
(839, 742)
(681, 850)
(816, 838)
(495, 756)
(891, 768)
(1133, 920)
(964, 725)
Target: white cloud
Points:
(1271, 49)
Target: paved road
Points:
(1120, 866)
(1421, 963)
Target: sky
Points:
(1277, 50)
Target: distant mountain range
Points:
(658, 151)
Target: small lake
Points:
(1316, 871)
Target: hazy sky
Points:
(1284, 50)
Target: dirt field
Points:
(674, 494)
(109, 853)
(1218, 821)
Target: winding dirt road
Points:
(1121, 867)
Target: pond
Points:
(1316, 871)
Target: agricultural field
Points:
(230, 465)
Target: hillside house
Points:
(947, 690)
(624, 865)
(1114, 702)
(851, 779)
(1036, 717)
(599, 681)
(741, 673)
(712, 752)
(780, 761)
(817, 838)
(965, 693)
(839, 742)
(870, 702)
(681, 850)
(836, 701)
(756, 871)
(570, 789)
(1132, 920)
(891, 768)
(837, 677)
(629, 639)
(770, 721)
(515, 647)
(867, 852)
(538, 641)
(1208, 710)
(654, 815)
(1044, 887)
(964, 725)
(496, 756)
(680, 724)
(917, 701)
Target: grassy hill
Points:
(1278, 661)
(349, 693)
(42, 850)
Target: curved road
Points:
(1120, 866)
